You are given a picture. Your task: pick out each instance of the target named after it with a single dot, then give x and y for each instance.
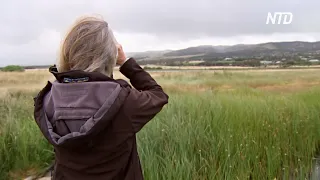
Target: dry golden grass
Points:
(283, 80)
(199, 67)
(23, 81)
(21, 174)
(314, 67)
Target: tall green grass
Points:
(241, 134)
(21, 145)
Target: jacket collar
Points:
(78, 76)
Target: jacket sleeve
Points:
(147, 99)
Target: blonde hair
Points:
(89, 46)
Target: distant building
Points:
(303, 58)
(278, 62)
(227, 59)
(266, 62)
(313, 60)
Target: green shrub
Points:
(13, 68)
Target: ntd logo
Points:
(282, 17)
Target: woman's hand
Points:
(121, 56)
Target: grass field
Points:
(218, 125)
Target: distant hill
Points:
(240, 50)
(263, 51)
(147, 54)
(205, 49)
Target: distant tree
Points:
(252, 63)
(13, 68)
(290, 62)
(287, 64)
(303, 63)
(238, 63)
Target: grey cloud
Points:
(215, 18)
(21, 19)
(23, 22)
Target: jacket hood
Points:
(77, 106)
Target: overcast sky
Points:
(31, 30)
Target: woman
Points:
(90, 118)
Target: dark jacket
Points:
(92, 121)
